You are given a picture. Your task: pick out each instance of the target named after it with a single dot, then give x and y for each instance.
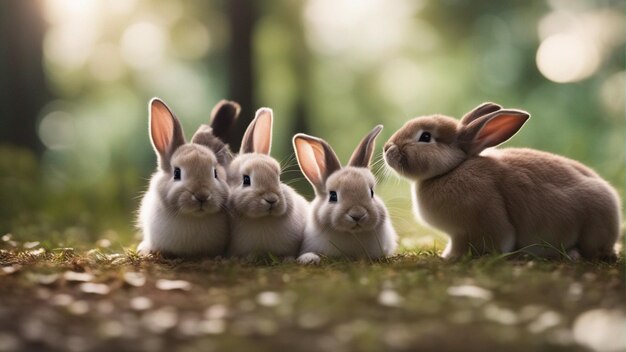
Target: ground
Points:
(74, 300)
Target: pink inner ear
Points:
(161, 126)
(262, 136)
(499, 129)
(308, 161)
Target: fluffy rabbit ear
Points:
(166, 132)
(258, 136)
(217, 134)
(223, 118)
(491, 130)
(316, 158)
(481, 110)
(364, 151)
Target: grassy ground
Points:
(65, 299)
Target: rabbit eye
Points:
(425, 137)
(215, 172)
(333, 197)
(246, 180)
(372, 192)
(177, 173)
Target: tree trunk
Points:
(23, 90)
(242, 15)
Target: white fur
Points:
(280, 236)
(380, 242)
(179, 234)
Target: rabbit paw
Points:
(309, 258)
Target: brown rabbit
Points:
(501, 200)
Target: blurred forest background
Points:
(76, 76)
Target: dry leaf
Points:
(168, 285)
(134, 279)
(75, 276)
(390, 298)
(30, 245)
(43, 279)
(470, 291)
(99, 289)
(269, 299)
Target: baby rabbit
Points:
(502, 200)
(216, 135)
(346, 218)
(183, 212)
(268, 217)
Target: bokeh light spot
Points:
(57, 130)
(567, 58)
(144, 45)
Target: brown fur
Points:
(503, 200)
(215, 136)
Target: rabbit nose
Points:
(357, 214)
(388, 146)
(201, 197)
(271, 199)
(357, 218)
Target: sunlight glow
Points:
(61, 11)
(364, 29)
(57, 130)
(105, 63)
(567, 58)
(144, 45)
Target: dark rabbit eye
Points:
(333, 197)
(215, 172)
(424, 137)
(372, 192)
(246, 180)
(177, 173)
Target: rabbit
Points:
(346, 219)
(268, 217)
(502, 200)
(183, 212)
(216, 135)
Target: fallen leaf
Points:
(216, 311)
(78, 308)
(390, 298)
(99, 289)
(268, 298)
(103, 243)
(140, 303)
(546, 320)
(30, 245)
(161, 319)
(75, 276)
(212, 326)
(470, 291)
(500, 315)
(62, 299)
(8, 270)
(43, 279)
(601, 329)
(134, 278)
(167, 285)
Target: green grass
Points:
(404, 303)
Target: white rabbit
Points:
(502, 200)
(346, 219)
(267, 216)
(183, 212)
